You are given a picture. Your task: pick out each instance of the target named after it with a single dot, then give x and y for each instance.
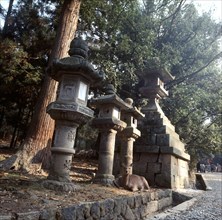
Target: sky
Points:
(206, 5)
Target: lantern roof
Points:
(153, 67)
(77, 63)
(110, 97)
(132, 110)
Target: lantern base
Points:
(60, 186)
(104, 179)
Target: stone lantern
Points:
(75, 75)
(159, 154)
(128, 135)
(155, 76)
(108, 122)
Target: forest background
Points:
(121, 35)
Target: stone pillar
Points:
(106, 154)
(128, 136)
(126, 155)
(108, 122)
(62, 150)
(75, 75)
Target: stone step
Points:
(159, 122)
(164, 130)
(169, 140)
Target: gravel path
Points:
(204, 206)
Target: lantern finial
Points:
(110, 89)
(78, 47)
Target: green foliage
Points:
(19, 85)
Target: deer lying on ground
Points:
(131, 182)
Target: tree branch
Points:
(191, 75)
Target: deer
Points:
(131, 182)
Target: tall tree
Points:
(35, 148)
(7, 19)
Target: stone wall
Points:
(163, 170)
(159, 155)
(137, 206)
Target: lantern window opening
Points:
(160, 82)
(82, 94)
(116, 113)
(134, 121)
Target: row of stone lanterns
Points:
(75, 76)
(115, 115)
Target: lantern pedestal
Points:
(106, 154)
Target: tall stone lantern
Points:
(75, 75)
(108, 122)
(128, 135)
(155, 76)
(159, 154)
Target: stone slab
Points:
(146, 149)
(176, 152)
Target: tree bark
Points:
(35, 150)
(7, 19)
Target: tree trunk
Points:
(36, 146)
(7, 19)
(16, 127)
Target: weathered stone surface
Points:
(145, 199)
(129, 214)
(108, 206)
(60, 186)
(164, 202)
(123, 206)
(6, 217)
(132, 207)
(152, 207)
(164, 193)
(95, 210)
(131, 202)
(138, 201)
(77, 213)
(48, 214)
(160, 157)
(146, 149)
(202, 182)
(69, 212)
(175, 151)
(28, 216)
